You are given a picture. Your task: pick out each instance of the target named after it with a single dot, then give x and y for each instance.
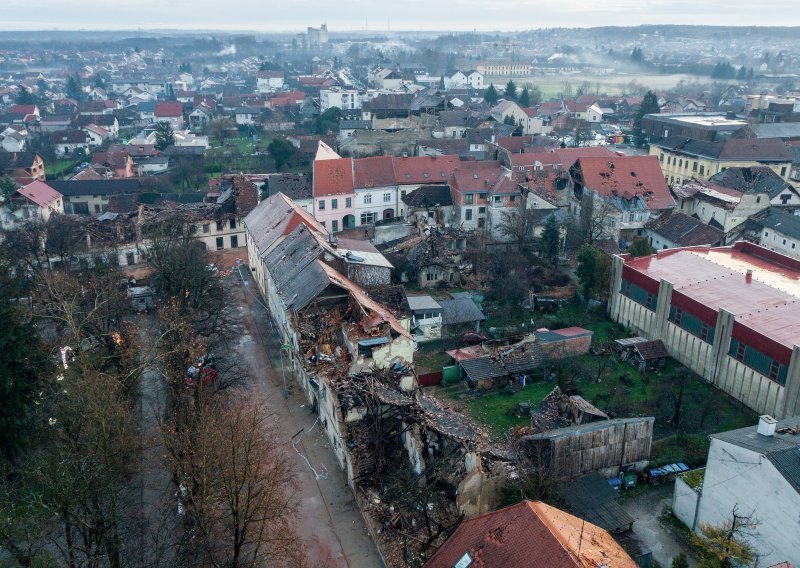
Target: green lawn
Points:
(491, 410)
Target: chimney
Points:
(748, 277)
(766, 425)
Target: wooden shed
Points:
(603, 446)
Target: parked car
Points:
(472, 338)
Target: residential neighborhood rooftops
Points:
(530, 534)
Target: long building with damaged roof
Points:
(731, 314)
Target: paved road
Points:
(646, 508)
(331, 526)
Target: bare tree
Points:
(518, 224)
(237, 487)
(727, 545)
(595, 219)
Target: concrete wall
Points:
(739, 477)
(684, 502)
(366, 275)
(391, 232)
(711, 361)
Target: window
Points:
(234, 241)
(468, 215)
(678, 317)
(367, 218)
(430, 276)
(206, 228)
(483, 196)
(705, 332)
(367, 198)
(783, 171)
(630, 217)
(468, 199)
(387, 197)
(334, 203)
(694, 166)
(702, 169)
(740, 351)
(498, 200)
(766, 234)
(232, 223)
(774, 370)
(334, 225)
(348, 202)
(322, 223)
(97, 208)
(220, 243)
(481, 210)
(513, 198)
(784, 242)
(129, 259)
(481, 224)
(219, 226)
(321, 205)
(661, 157)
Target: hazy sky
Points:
(344, 15)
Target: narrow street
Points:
(332, 529)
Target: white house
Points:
(345, 99)
(248, 116)
(36, 201)
(426, 318)
(780, 232)
(268, 81)
(754, 471)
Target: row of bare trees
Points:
(72, 468)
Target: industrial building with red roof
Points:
(731, 314)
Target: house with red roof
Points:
(483, 194)
(35, 201)
(334, 193)
(171, 112)
(530, 534)
(375, 188)
(623, 192)
(22, 167)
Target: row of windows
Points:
(775, 239)
(692, 324)
(348, 201)
(221, 242)
(220, 226)
(758, 361)
(639, 295)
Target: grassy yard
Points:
(620, 389)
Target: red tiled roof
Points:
(424, 169)
(166, 110)
(530, 534)
(476, 179)
(333, 177)
(40, 193)
(630, 176)
(568, 156)
(374, 172)
(23, 109)
(530, 158)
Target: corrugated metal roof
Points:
(295, 270)
(460, 310)
(482, 368)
